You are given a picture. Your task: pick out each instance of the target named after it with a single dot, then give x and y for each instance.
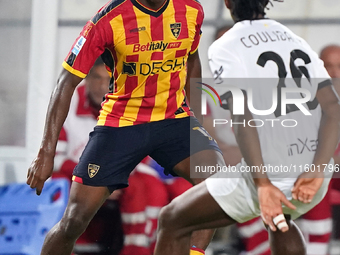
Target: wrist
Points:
(46, 152)
(262, 182)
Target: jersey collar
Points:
(155, 13)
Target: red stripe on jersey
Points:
(197, 249)
(119, 109)
(157, 56)
(130, 24)
(145, 111)
(180, 16)
(175, 84)
(157, 33)
(181, 53)
(77, 179)
(185, 104)
(132, 58)
(197, 38)
(130, 84)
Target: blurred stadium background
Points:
(35, 36)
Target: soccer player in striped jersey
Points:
(263, 56)
(150, 50)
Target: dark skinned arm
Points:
(42, 166)
(309, 183)
(193, 94)
(270, 197)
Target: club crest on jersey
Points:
(176, 29)
(93, 170)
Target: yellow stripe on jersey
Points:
(193, 252)
(133, 105)
(73, 71)
(192, 20)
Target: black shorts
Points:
(113, 152)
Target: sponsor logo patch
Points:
(137, 29)
(79, 45)
(156, 46)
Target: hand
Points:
(39, 171)
(271, 199)
(306, 186)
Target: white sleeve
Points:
(319, 70)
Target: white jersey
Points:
(258, 53)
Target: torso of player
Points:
(149, 54)
(264, 55)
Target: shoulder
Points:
(111, 8)
(223, 42)
(193, 3)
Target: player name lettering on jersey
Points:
(152, 46)
(266, 37)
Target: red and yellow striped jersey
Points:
(146, 51)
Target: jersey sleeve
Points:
(321, 76)
(86, 49)
(196, 42)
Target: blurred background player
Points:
(330, 54)
(81, 119)
(104, 234)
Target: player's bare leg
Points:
(290, 242)
(200, 238)
(83, 204)
(194, 209)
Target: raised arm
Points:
(42, 166)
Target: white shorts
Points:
(238, 196)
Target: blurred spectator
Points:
(331, 57)
(105, 230)
(140, 204)
(82, 118)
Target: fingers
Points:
(280, 222)
(268, 221)
(296, 187)
(304, 195)
(39, 188)
(287, 203)
(35, 182)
